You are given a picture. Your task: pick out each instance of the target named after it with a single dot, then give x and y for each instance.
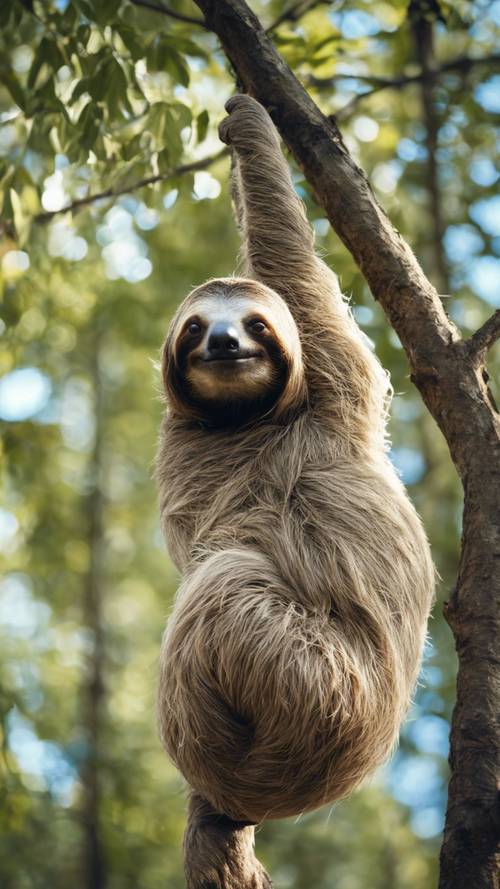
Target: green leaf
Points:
(163, 161)
(100, 11)
(202, 125)
(182, 114)
(109, 85)
(164, 125)
(132, 42)
(75, 151)
(132, 148)
(89, 124)
(6, 179)
(117, 87)
(22, 221)
(83, 34)
(49, 53)
(178, 44)
(45, 98)
(64, 133)
(87, 9)
(10, 80)
(177, 68)
(96, 85)
(188, 47)
(82, 86)
(157, 121)
(163, 56)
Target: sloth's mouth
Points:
(236, 358)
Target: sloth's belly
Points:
(336, 524)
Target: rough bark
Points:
(451, 378)
(218, 852)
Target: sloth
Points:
(295, 641)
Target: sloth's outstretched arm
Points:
(237, 199)
(278, 249)
(278, 242)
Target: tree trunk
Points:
(450, 375)
(422, 25)
(93, 870)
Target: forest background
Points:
(96, 97)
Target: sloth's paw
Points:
(246, 117)
(242, 100)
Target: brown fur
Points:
(296, 637)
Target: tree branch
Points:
(170, 13)
(422, 28)
(80, 203)
(485, 337)
(462, 63)
(218, 852)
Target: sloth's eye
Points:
(258, 326)
(194, 328)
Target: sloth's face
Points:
(228, 349)
(231, 352)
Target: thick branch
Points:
(218, 852)
(133, 186)
(485, 337)
(170, 13)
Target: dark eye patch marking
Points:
(193, 326)
(256, 325)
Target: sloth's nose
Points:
(222, 339)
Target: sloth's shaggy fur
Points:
(296, 637)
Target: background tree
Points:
(97, 98)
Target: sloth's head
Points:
(233, 354)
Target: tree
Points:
(117, 120)
(450, 375)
